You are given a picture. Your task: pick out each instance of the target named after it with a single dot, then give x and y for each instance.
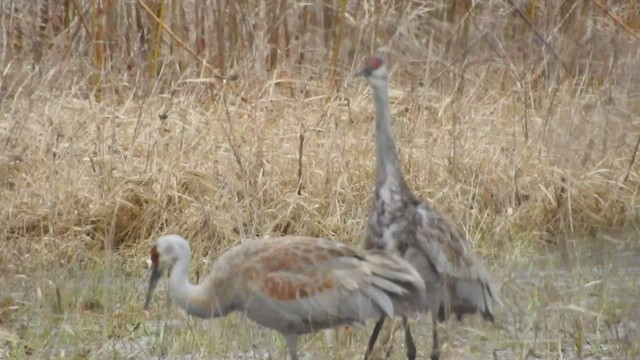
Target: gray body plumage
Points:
(456, 281)
(295, 285)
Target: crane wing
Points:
(305, 286)
(449, 252)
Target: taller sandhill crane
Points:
(456, 281)
(293, 284)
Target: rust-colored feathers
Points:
(313, 281)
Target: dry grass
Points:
(108, 144)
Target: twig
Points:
(616, 20)
(83, 22)
(538, 35)
(183, 45)
(633, 160)
(231, 138)
(347, 103)
(300, 148)
(164, 115)
(554, 94)
(526, 113)
(58, 303)
(140, 114)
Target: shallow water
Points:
(581, 305)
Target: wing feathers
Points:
(449, 251)
(337, 285)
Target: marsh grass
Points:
(115, 131)
(582, 309)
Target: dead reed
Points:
(222, 120)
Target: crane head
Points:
(375, 71)
(166, 251)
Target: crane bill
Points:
(153, 282)
(363, 72)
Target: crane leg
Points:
(292, 344)
(435, 351)
(408, 340)
(373, 338)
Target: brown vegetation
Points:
(519, 121)
(219, 120)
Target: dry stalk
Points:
(632, 161)
(99, 22)
(156, 45)
(335, 51)
(182, 44)
(538, 35)
(219, 10)
(229, 134)
(163, 116)
(616, 19)
(81, 16)
(58, 308)
(486, 118)
(300, 148)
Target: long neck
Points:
(202, 300)
(387, 156)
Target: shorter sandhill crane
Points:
(293, 284)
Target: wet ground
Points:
(577, 305)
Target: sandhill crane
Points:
(456, 281)
(293, 284)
